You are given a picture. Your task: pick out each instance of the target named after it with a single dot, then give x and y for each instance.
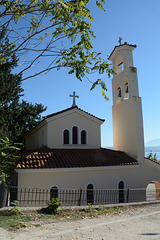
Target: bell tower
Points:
(127, 107)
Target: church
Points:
(64, 150)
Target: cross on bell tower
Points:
(74, 99)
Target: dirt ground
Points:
(138, 223)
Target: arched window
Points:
(66, 136)
(90, 193)
(118, 93)
(54, 192)
(83, 137)
(75, 135)
(121, 192)
(119, 64)
(125, 89)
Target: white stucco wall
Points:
(102, 177)
(72, 178)
(128, 127)
(50, 134)
(57, 126)
(127, 113)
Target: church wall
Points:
(103, 178)
(37, 138)
(150, 172)
(134, 177)
(57, 126)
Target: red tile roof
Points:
(120, 46)
(152, 160)
(74, 158)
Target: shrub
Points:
(14, 203)
(53, 205)
(15, 210)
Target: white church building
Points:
(64, 150)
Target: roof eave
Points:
(78, 110)
(76, 169)
(117, 48)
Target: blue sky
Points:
(137, 22)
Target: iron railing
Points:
(78, 197)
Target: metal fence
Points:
(78, 197)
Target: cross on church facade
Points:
(120, 40)
(74, 99)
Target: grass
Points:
(36, 218)
(13, 221)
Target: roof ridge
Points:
(67, 109)
(59, 112)
(62, 111)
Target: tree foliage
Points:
(16, 116)
(152, 156)
(58, 30)
(8, 156)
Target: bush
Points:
(14, 203)
(53, 205)
(15, 210)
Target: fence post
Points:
(80, 196)
(127, 195)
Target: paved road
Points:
(138, 223)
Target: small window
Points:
(83, 137)
(54, 192)
(75, 135)
(66, 137)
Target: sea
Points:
(153, 150)
(148, 150)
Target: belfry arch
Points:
(118, 93)
(119, 64)
(125, 89)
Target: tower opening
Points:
(119, 64)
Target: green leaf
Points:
(104, 95)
